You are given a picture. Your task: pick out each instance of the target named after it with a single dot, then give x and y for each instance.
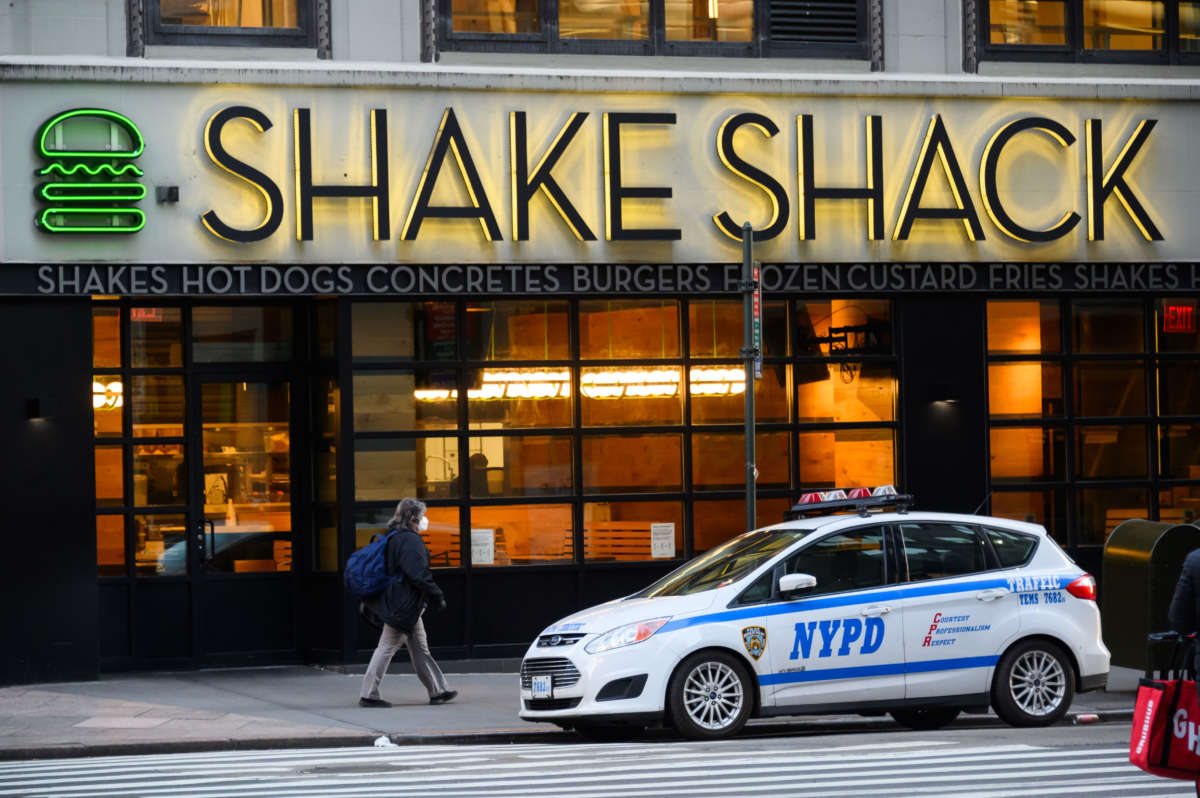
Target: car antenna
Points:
(979, 506)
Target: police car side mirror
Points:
(791, 583)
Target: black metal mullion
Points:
(1065, 310)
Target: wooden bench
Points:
(616, 540)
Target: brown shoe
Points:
(373, 702)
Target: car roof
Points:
(824, 522)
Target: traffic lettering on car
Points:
(855, 603)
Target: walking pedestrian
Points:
(400, 606)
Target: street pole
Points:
(750, 353)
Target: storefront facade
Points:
(304, 294)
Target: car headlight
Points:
(625, 635)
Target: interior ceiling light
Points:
(108, 397)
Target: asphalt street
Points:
(1068, 759)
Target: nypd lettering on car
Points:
(920, 614)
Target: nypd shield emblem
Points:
(755, 639)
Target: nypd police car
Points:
(853, 604)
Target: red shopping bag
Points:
(1166, 729)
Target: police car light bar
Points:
(860, 500)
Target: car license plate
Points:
(543, 687)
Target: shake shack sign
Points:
(580, 279)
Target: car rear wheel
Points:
(709, 696)
(925, 718)
(1034, 684)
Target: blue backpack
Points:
(366, 570)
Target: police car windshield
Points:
(725, 564)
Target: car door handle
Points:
(876, 610)
(991, 594)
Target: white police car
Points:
(919, 614)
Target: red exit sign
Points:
(145, 314)
(1179, 316)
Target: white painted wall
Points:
(62, 27)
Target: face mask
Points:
(423, 524)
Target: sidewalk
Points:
(298, 707)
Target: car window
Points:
(935, 550)
(1013, 548)
(848, 560)
(759, 590)
(725, 564)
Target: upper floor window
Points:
(1127, 31)
(244, 23)
(830, 28)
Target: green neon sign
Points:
(89, 154)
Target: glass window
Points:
(110, 545)
(403, 331)
(715, 328)
(1025, 390)
(716, 521)
(442, 538)
(419, 399)
(1023, 327)
(1189, 26)
(1045, 507)
(521, 534)
(1012, 548)
(1179, 450)
(935, 550)
(834, 327)
(500, 398)
(1178, 329)
(517, 330)
(1123, 25)
(327, 404)
(161, 545)
(1110, 389)
(1178, 388)
(845, 392)
(158, 475)
(632, 463)
(108, 397)
(325, 539)
(530, 465)
(846, 458)
(710, 20)
(719, 394)
(850, 560)
(325, 329)
(110, 480)
(1025, 22)
(719, 460)
(1026, 454)
(386, 469)
(604, 19)
(1110, 451)
(241, 334)
(158, 405)
(724, 565)
(230, 13)
(106, 337)
(495, 16)
(1179, 504)
(1102, 509)
(632, 530)
(155, 337)
(628, 328)
(1107, 326)
(631, 396)
(760, 590)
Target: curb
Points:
(509, 736)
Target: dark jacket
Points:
(1184, 613)
(401, 603)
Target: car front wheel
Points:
(1034, 684)
(709, 696)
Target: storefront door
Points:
(243, 601)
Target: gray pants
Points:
(390, 641)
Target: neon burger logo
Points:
(90, 171)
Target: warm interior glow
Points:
(108, 397)
(511, 384)
(640, 383)
(717, 381)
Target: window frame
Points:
(1073, 51)
(304, 35)
(549, 42)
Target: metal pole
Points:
(749, 353)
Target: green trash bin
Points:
(1142, 561)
